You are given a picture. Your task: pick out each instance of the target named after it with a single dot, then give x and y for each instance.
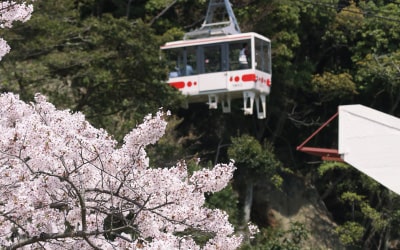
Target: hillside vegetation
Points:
(101, 57)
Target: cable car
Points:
(217, 63)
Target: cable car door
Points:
(213, 68)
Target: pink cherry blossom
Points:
(11, 11)
(63, 182)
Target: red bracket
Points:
(327, 154)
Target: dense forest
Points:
(102, 57)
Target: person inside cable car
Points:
(174, 72)
(186, 71)
(243, 57)
(189, 70)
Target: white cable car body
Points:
(205, 65)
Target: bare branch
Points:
(162, 12)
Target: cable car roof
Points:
(213, 40)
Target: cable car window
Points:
(191, 62)
(234, 51)
(262, 53)
(181, 61)
(212, 58)
(240, 54)
(175, 60)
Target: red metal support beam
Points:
(317, 131)
(327, 154)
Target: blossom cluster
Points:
(11, 11)
(253, 229)
(67, 184)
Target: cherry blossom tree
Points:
(11, 11)
(64, 183)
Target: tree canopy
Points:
(102, 58)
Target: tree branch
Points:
(162, 12)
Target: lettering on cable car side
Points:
(237, 85)
(235, 81)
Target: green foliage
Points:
(286, 39)
(248, 154)
(332, 86)
(363, 217)
(346, 26)
(172, 35)
(277, 180)
(331, 165)
(351, 197)
(153, 5)
(377, 72)
(370, 184)
(350, 233)
(378, 222)
(278, 239)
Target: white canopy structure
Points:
(369, 140)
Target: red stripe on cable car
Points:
(249, 78)
(178, 85)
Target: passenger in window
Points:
(189, 70)
(186, 70)
(174, 72)
(243, 57)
